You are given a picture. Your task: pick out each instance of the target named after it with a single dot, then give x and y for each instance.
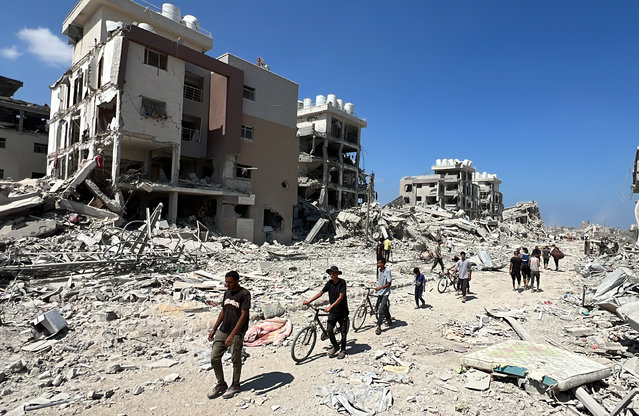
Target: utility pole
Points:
(368, 202)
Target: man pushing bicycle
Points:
(337, 310)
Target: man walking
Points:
(228, 331)
(419, 287)
(387, 249)
(534, 272)
(437, 256)
(337, 311)
(463, 267)
(384, 281)
(514, 269)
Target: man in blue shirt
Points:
(384, 281)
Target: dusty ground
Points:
(428, 338)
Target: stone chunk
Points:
(137, 389)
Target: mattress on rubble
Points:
(557, 368)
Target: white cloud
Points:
(10, 53)
(46, 46)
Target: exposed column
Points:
(146, 167)
(173, 205)
(175, 164)
(325, 173)
(115, 163)
(21, 121)
(340, 158)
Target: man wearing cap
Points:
(337, 310)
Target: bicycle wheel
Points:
(359, 317)
(303, 344)
(442, 284)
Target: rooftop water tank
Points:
(308, 103)
(146, 26)
(191, 22)
(171, 11)
(332, 99)
(340, 104)
(320, 100)
(349, 108)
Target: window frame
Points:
(248, 93)
(155, 109)
(39, 147)
(162, 59)
(3, 142)
(245, 132)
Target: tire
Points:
(359, 317)
(442, 284)
(303, 344)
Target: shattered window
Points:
(39, 148)
(3, 143)
(155, 59)
(243, 172)
(153, 108)
(408, 188)
(272, 219)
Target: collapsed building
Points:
(455, 185)
(329, 135)
(23, 134)
(144, 111)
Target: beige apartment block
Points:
(455, 186)
(23, 134)
(330, 135)
(165, 122)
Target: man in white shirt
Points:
(534, 272)
(463, 267)
(384, 281)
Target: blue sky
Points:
(543, 93)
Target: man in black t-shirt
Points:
(228, 331)
(337, 310)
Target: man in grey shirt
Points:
(384, 281)
(463, 266)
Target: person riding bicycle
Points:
(337, 310)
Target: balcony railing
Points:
(193, 94)
(190, 135)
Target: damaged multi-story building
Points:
(329, 135)
(163, 122)
(455, 186)
(23, 134)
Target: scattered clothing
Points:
(270, 331)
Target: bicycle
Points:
(304, 341)
(362, 310)
(447, 279)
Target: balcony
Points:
(190, 135)
(193, 93)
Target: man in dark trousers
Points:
(228, 332)
(337, 310)
(383, 289)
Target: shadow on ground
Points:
(267, 382)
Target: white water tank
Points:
(332, 99)
(349, 108)
(191, 22)
(438, 162)
(171, 11)
(320, 100)
(340, 104)
(308, 103)
(146, 26)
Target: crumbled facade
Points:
(167, 123)
(455, 186)
(329, 135)
(23, 134)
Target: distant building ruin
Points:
(329, 135)
(23, 134)
(455, 186)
